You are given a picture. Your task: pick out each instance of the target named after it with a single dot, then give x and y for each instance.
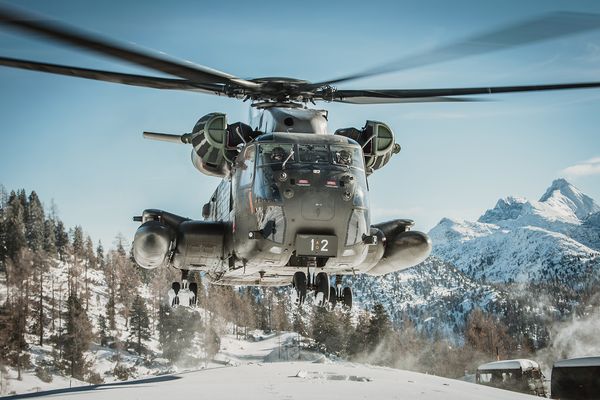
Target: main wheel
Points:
(347, 297)
(175, 286)
(194, 290)
(322, 289)
(332, 297)
(299, 283)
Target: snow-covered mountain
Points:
(555, 238)
(435, 296)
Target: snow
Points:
(578, 362)
(522, 364)
(524, 241)
(253, 378)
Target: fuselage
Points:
(293, 198)
(308, 204)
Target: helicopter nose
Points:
(318, 207)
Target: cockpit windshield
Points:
(345, 155)
(274, 153)
(316, 154)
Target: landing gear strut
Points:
(184, 293)
(299, 283)
(336, 293)
(324, 293)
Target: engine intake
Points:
(168, 239)
(377, 141)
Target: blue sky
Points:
(79, 142)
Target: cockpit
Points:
(290, 155)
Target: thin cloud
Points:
(584, 168)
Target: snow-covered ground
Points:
(246, 373)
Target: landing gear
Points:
(332, 297)
(337, 294)
(299, 283)
(321, 289)
(347, 297)
(184, 293)
(324, 293)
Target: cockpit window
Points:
(314, 153)
(345, 155)
(274, 153)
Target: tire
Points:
(332, 297)
(322, 287)
(299, 283)
(347, 297)
(176, 286)
(194, 289)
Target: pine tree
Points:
(103, 330)
(174, 327)
(14, 227)
(50, 237)
(379, 326)
(62, 240)
(100, 256)
(89, 261)
(13, 345)
(34, 223)
(41, 319)
(358, 342)
(77, 337)
(139, 323)
(328, 331)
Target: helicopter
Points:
(292, 207)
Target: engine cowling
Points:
(215, 143)
(377, 141)
(168, 239)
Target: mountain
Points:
(555, 238)
(528, 262)
(435, 296)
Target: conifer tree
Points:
(13, 345)
(40, 318)
(328, 331)
(14, 224)
(62, 240)
(34, 223)
(379, 326)
(50, 237)
(358, 341)
(100, 256)
(77, 337)
(175, 327)
(103, 334)
(139, 324)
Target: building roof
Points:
(522, 364)
(593, 361)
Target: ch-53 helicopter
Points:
(293, 203)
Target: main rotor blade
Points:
(435, 95)
(549, 26)
(114, 77)
(61, 33)
(374, 97)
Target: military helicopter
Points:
(292, 207)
